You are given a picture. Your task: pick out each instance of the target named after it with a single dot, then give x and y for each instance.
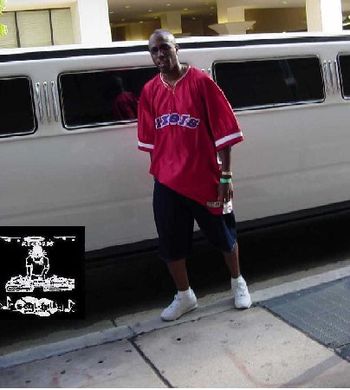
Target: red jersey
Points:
(184, 126)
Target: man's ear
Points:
(177, 47)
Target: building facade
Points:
(55, 22)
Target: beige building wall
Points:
(135, 31)
(87, 21)
(198, 26)
(39, 27)
(55, 22)
(275, 20)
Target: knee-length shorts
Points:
(174, 215)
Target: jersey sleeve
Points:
(145, 126)
(222, 120)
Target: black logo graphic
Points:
(41, 272)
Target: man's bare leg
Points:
(178, 271)
(232, 262)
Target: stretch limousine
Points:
(68, 142)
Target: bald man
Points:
(186, 123)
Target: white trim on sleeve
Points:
(147, 146)
(228, 138)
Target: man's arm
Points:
(225, 190)
(225, 157)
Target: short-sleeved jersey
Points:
(183, 127)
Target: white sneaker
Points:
(182, 303)
(240, 293)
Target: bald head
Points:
(163, 48)
(163, 34)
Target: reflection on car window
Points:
(270, 83)
(102, 97)
(124, 103)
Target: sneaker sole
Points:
(244, 307)
(187, 311)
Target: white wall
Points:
(90, 18)
(91, 21)
(17, 5)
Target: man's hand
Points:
(225, 192)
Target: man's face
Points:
(163, 52)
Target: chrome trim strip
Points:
(336, 75)
(47, 101)
(54, 100)
(40, 103)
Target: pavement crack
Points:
(150, 363)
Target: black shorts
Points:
(174, 216)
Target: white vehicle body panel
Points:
(293, 157)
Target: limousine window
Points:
(344, 63)
(269, 83)
(17, 106)
(102, 97)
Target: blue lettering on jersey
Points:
(183, 120)
(174, 119)
(192, 123)
(165, 120)
(158, 122)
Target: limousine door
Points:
(68, 146)
(295, 152)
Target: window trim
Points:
(99, 124)
(31, 91)
(275, 105)
(345, 97)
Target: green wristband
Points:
(225, 181)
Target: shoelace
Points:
(240, 290)
(173, 303)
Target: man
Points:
(185, 122)
(37, 263)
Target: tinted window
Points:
(268, 83)
(344, 63)
(102, 97)
(16, 106)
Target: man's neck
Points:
(172, 77)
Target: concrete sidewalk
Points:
(214, 346)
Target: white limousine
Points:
(68, 145)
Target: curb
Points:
(113, 334)
(41, 352)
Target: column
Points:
(91, 21)
(324, 16)
(231, 20)
(235, 14)
(221, 7)
(172, 21)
